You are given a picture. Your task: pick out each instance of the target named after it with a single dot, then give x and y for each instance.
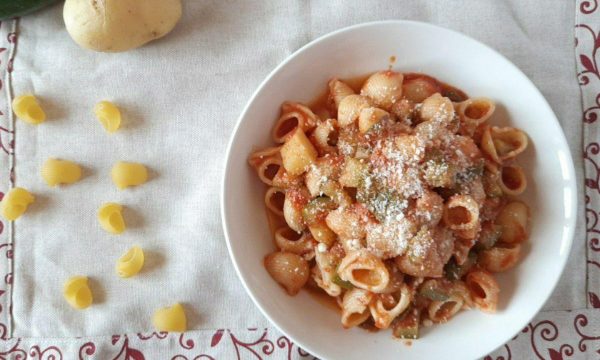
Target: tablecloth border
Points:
(587, 43)
(551, 335)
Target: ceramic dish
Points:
(452, 58)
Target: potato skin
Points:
(119, 25)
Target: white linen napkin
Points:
(181, 96)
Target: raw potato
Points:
(119, 25)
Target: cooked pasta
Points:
(288, 240)
(15, 203)
(443, 310)
(355, 307)
(514, 222)
(125, 174)
(298, 153)
(477, 110)
(77, 292)
(384, 88)
(171, 319)
(295, 201)
(386, 307)
(512, 180)
(55, 172)
(338, 90)
(369, 117)
(288, 269)
(325, 135)
(109, 115)
(502, 144)
(274, 200)
(461, 212)
(364, 270)
(328, 279)
(395, 197)
(131, 262)
(349, 109)
(499, 258)
(484, 290)
(111, 219)
(267, 163)
(293, 116)
(28, 109)
(437, 108)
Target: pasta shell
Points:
(512, 180)
(274, 200)
(327, 263)
(350, 108)
(499, 258)
(338, 90)
(437, 108)
(383, 312)
(355, 308)
(461, 212)
(484, 290)
(384, 88)
(514, 220)
(502, 144)
(364, 270)
(442, 311)
(293, 116)
(371, 116)
(476, 111)
(290, 270)
(288, 240)
(28, 109)
(111, 219)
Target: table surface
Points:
(231, 47)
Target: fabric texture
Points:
(181, 97)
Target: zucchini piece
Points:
(454, 271)
(316, 208)
(470, 173)
(432, 291)
(14, 8)
(383, 203)
(407, 325)
(342, 283)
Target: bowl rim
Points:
(572, 183)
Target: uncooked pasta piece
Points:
(126, 174)
(77, 292)
(111, 218)
(55, 172)
(131, 262)
(15, 203)
(109, 116)
(28, 109)
(170, 319)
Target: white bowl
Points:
(460, 61)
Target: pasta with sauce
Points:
(395, 198)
